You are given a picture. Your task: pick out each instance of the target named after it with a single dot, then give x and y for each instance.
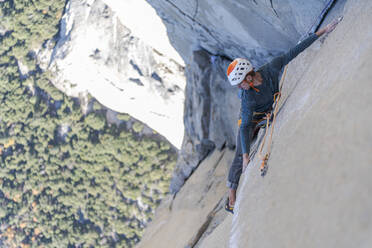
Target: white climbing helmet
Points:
(237, 70)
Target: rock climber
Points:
(256, 93)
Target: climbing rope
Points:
(265, 157)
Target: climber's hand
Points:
(245, 161)
(330, 27)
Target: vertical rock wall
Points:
(208, 34)
(317, 189)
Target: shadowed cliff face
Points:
(316, 192)
(255, 29)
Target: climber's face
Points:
(245, 83)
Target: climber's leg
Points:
(235, 171)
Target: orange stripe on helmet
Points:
(231, 67)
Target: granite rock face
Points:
(208, 35)
(255, 29)
(318, 178)
(210, 116)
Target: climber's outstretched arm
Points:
(279, 62)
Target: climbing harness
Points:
(265, 158)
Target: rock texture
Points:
(211, 111)
(316, 192)
(318, 183)
(97, 54)
(197, 205)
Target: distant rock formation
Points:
(98, 54)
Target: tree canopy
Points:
(67, 179)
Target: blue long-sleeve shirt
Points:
(263, 100)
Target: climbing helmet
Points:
(237, 70)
